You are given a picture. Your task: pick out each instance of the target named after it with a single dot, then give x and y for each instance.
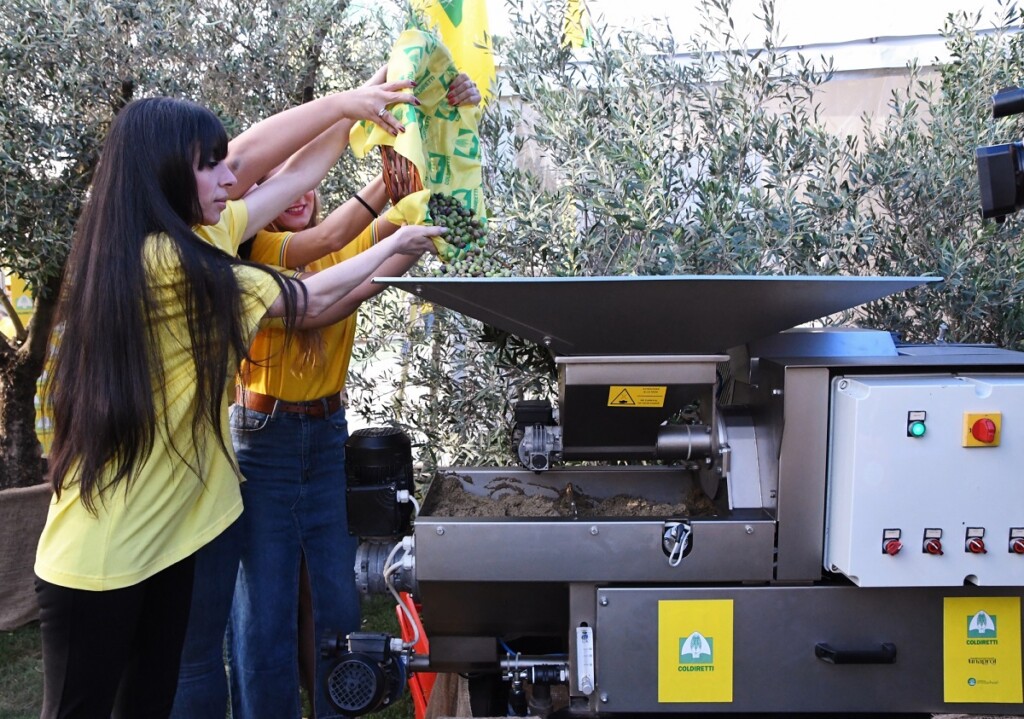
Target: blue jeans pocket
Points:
(247, 420)
(339, 421)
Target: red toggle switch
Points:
(933, 546)
(984, 430)
(1017, 546)
(892, 547)
(976, 545)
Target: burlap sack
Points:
(22, 515)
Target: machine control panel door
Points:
(926, 480)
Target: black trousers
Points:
(114, 653)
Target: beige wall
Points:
(849, 96)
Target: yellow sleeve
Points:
(227, 233)
(269, 248)
(363, 241)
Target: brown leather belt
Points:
(269, 405)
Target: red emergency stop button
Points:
(892, 547)
(1017, 546)
(933, 546)
(984, 430)
(976, 545)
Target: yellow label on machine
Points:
(981, 650)
(695, 650)
(636, 396)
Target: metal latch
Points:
(675, 540)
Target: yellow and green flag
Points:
(576, 28)
(462, 25)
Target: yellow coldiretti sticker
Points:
(981, 650)
(636, 396)
(695, 650)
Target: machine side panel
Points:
(458, 549)
(802, 466)
(772, 652)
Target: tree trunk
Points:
(21, 462)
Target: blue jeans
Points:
(294, 497)
(202, 680)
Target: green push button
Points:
(916, 429)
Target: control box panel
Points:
(925, 480)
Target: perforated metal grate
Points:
(352, 686)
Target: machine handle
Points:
(885, 654)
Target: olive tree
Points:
(646, 156)
(66, 69)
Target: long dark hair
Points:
(107, 366)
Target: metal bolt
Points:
(748, 529)
(594, 531)
(843, 384)
(604, 697)
(418, 289)
(604, 601)
(547, 341)
(440, 531)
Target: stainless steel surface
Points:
(601, 418)
(535, 580)
(589, 550)
(684, 441)
(743, 475)
(802, 462)
(671, 369)
(775, 632)
(650, 315)
(620, 549)
(826, 342)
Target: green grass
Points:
(21, 673)
(21, 665)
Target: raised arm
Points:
(270, 142)
(306, 168)
(327, 288)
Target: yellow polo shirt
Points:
(177, 503)
(281, 369)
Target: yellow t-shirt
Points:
(167, 512)
(282, 369)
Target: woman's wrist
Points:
(369, 208)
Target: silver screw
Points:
(604, 697)
(843, 384)
(594, 531)
(748, 529)
(604, 601)
(440, 531)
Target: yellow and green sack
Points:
(441, 141)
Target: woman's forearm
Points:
(270, 142)
(340, 227)
(394, 266)
(331, 285)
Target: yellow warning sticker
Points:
(981, 647)
(636, 396)
(695, 650)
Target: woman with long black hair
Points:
(156, 313)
